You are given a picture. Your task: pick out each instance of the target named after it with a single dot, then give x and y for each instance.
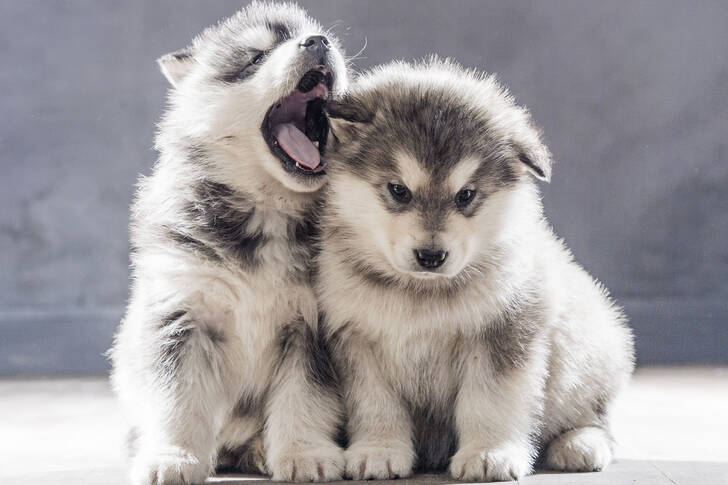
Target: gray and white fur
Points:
(218, 361)
(465, 335)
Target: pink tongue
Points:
(297, 145)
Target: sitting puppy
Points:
(218, 360)
(463, 332)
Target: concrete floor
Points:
(671, 425)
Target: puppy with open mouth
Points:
(218, 361)
(464, 335)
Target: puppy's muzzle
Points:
(317, 46)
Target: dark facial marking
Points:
(427, 124)
(281, 31)
(240, 65)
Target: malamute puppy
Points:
(464, 333)
(218, 360)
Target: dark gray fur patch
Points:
(172, 346)
(280, 30)
(434, 435)
(426, 125)
(311, 348)
(527, 161)
(196, 246)
(216, 336)
(600, 406)
(197, 153)
(171, 318)
(348, 110)
(302, 234)
(182, 54)
(508, 340)
(216, 213)
(238, 66)
(175, 331)
(249, 404)
(246, 458)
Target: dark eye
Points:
(258, 58)
(464, 197)
(400, 193)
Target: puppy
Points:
(218, 360)
(464, 334)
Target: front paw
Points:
(307, 464)
(366, 461)
(168, 467)
(499, 464)
(580, 450)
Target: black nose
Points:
(316, 43)
(430, 258)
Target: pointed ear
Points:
(531, 153)
(176, 65)
(349, 110)
(346, 115)
(538, 163)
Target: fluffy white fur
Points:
(510, 346)
(213, 356)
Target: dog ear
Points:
(345, 114)
(538, 163)
(176, 65)
(531, 153)
(349, 110)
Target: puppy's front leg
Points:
(497, 412)
(181, 403)
(379, 427)
(303, 411)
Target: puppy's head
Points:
(248, 95)
(431, 166)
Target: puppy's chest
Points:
(276, 288)
(286, 246)
(424, 368)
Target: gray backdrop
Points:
(632, 95)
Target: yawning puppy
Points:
(218, 360)
(464, 334)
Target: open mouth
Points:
(295, 127)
